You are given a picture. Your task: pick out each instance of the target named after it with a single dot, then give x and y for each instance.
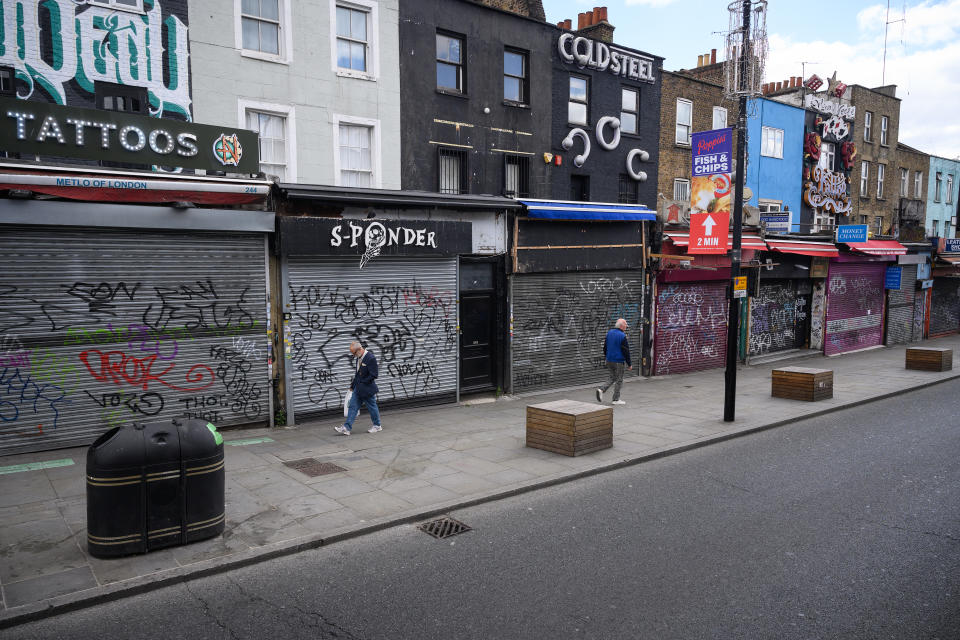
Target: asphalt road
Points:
(845, 526)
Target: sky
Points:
(818, 36)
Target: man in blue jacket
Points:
(364, 387)
(616, 350)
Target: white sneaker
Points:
(599, 394)
(342, 430)
(619, 402)
(375, 429)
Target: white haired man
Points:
(616, 351)
(364, 387)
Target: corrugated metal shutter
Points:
(773, 317)
(854, 306)
(945, 306)
(691, 327)
(403, 309)
(105, 328)
(900, 306)
(560, 321)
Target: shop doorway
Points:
(479, 341)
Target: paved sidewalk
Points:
(426, 461)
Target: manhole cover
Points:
(313, 467)
(443, 527)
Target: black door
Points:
(478, 336)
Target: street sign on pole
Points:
(740, 287)
(708, 233)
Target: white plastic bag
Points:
(346, 402)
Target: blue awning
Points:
(571, 210)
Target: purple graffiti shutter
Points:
(691, 330)
(854, 306)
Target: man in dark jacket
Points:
(364, 387)
(616, 351)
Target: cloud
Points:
(922, 64)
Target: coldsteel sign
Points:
(591, 54)
(52, 130)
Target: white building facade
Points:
(319, 81)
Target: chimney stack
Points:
(581, 21)
(594, 24)
(713, 56)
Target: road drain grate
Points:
(313, 467)
(443, 527)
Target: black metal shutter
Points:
(900, 307)
(560, 321)
(773, 317)
(945, 306)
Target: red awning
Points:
(819, 249)
(748, 241)
(879, 247)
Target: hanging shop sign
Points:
(368, 239)
(710, 187)
(852, 233)
(41, 128)
(951, 245)
(708, 233)
(778, 222)
(830, 107)
(590, 54)
(827, 189)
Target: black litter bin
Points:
(154, 485)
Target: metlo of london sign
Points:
(41, 128)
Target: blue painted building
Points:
(942, 197)
(775, 156)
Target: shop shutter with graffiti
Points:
(691, 327)
(854, 306)
(945, 307)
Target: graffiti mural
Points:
(60, 48)
(560, 322)
(409, 325)
(95, 343)
(691, 328)
(773, 318)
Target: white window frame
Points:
(918, 185)
(686, 183)
(376, 161)
(938, 187)
(285, 40)
(770, 206)
(689, 125)
(949, 191)
(868, 126)
(828, 155)
(884, 125)
(904, 182)
(373, 38)
(936, 227)
(881, 173)
(864, 179)
(777, 147)
(113, 4)
(716, 111)
(283, 110)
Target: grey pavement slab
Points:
(426, 461)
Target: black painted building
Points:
(606, 118)
(475, 99)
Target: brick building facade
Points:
(874, 184)
(911, 189)
(692, 100)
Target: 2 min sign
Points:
(708, 233)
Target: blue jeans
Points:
(354, 408)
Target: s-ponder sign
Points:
(41, 128)
(710, 188)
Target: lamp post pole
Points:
(733, 322)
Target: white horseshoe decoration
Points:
(568, 142)
(640, 176)
(615, 125)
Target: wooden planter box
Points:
(802, 383)
(929, 358)
(569, 427)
